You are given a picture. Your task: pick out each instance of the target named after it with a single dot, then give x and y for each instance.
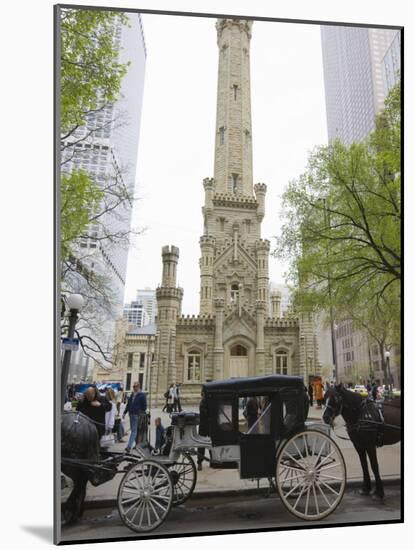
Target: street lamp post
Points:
(74, 303)
(387, 368)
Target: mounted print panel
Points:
(229, 228)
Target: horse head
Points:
(333, 404)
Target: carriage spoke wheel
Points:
(310, 475)
(145, 496)
(184, 478)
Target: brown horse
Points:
(365, 429)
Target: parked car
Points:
(361, 389)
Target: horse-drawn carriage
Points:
(277, 444)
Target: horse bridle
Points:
(329, 406)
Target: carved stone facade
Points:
(239, 331)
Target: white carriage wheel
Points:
(145, 496)
(310, 475)
(184, 478)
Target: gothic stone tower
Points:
(239, 331)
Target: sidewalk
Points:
(211, 481)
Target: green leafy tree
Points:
(342, 226)
(90, 72)
(81, 199)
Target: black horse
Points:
(80, 442)
(365, 428)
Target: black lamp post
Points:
(388, 371)
(74, 303)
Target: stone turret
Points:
(275, 299)
(169, 298)
(262, 259)
(260, 192)
(206, 270)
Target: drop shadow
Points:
(43, 532)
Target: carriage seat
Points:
(183, 418)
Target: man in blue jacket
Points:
(137, 404)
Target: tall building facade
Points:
(106, 147)
(391, 63)
(354, 85)
(136, 314)
(240, 330)
(146, 296)
(360, 66)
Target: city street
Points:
(234, 513)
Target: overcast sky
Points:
(176, 149)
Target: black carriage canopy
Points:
(287, 396)
(254, 384)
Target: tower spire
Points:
(233, 148)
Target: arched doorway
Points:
(239, 361)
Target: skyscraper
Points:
(147, 297)
(136, 314)
(354, 86)
(391, 63)
(106, 147)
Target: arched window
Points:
(281, 362)
(238, 350)
(193, 367)
(234, 292)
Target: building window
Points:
(221, 132)
(130, 361)
(238, 350)
(235, 88)
(235, 177)
(281, 362)
(234, 293)
(193, 373)
(141, 360)
(128, 381)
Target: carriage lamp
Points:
(74, 303)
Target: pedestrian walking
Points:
(94, 406)
(318, 393)
(310, 393)
(159, 434)
(203, 430)
(167, 407)
(110, 415)
(173, 397)
(137, 404)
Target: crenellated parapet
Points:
(207, 241)
(235, 201)
(260, 189)
(272, 323)
(194, 321)
(261, 306)
(208, 183)
(172, 251)
(263, 246)
(169, 292)
(243, 24)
